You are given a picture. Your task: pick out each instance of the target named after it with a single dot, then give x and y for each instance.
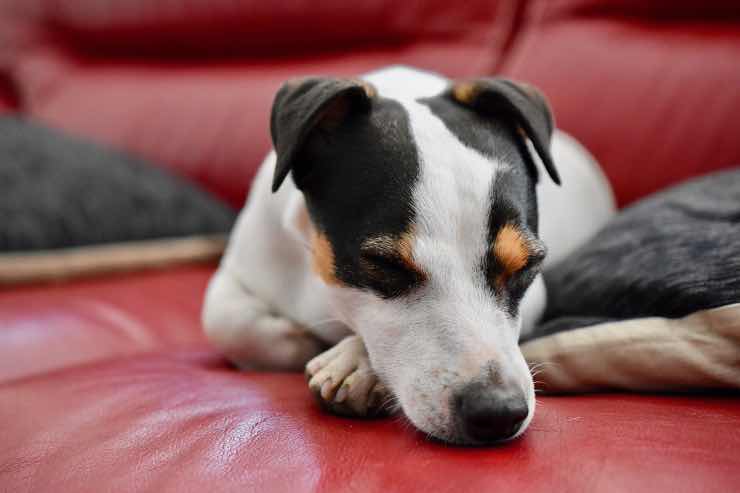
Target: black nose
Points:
(488, 413)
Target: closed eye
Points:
(388, 265)
(388, 272)
(383, 261)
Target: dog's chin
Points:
(434, 419)
(451, 436)
(438, 425)
(436, 429)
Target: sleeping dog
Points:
(401, 263)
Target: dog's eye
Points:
(388, 274)
(381, 260)
(382, 263)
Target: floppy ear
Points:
(524, 105)
(302, 105)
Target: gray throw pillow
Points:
(669, 255)
(57, 191)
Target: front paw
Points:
(343, 382)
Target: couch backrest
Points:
(188, 28)
(650, 87)
(189, 83)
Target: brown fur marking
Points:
(405, 246)
(511, 250)
(323, 258)
(401, 248)
(367, 87)
(465, 92)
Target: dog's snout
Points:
(489, 414)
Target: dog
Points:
(403, 262)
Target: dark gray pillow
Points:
(57, 191)
(668, 255)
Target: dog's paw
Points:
(343, 382)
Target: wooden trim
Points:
(68, 263)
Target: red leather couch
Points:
(107, 384)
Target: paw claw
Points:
(327, 390)
(374, 400)
(342, 393)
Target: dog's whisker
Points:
(390, 400)
(537, 370)
(542, 364)
(405, 423)
(540, 367)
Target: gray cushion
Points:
(668, 255)
(57, 191)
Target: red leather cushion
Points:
(654, 101)
(182, 422)
(8, 95)
(47, 327)
(6, 104)
(219, 27)
(107, 384)
(660, 9)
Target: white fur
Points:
(447, 332)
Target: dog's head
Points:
(424, 227)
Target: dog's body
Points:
(408, 245)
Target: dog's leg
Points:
(245, 329)
(343, 381)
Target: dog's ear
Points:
(303, 105)
(522, 104)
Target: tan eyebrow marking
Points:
(367, 87)
(323, 258)
(511, 249)
(465, 91)
(401, 247)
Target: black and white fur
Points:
(401, 153)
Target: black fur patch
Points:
(513, 196)
(357, 181)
